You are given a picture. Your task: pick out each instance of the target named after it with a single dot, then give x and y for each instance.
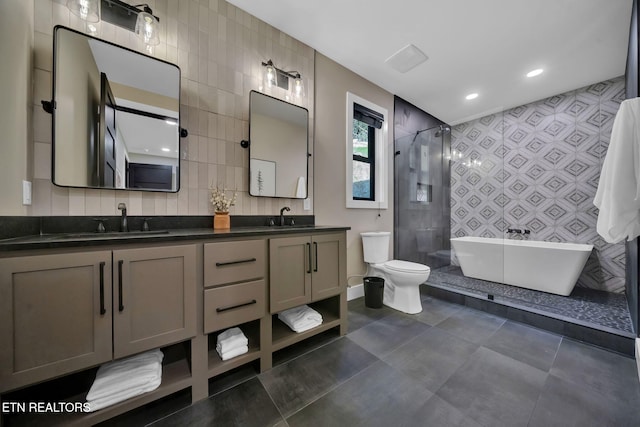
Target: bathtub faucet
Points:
(514, 230)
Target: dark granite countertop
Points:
(51, 236)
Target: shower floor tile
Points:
(595, 309)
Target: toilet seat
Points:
(406, 267)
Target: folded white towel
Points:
(304, 326)
(618, 195)
(230, 339)
(300, 319)
(233, 353)
(112, 399)
(130, 373)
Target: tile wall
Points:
(219, 49)
(539, 169)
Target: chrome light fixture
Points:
(137, 18)
(270, 74)
(274, 76)
(147, 27)
(87, 10)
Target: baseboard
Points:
(355, 291)
(638, 355)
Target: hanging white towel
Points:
(301, 189)
(618, 194)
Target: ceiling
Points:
(485, 46)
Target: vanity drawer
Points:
(229, 262)
(233, 304)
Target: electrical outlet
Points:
(307, 204)
(26, 193)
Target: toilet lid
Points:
(406, 266)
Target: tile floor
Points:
(450, 365)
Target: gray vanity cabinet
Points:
(153, 297)
(55, 315)
(305, 269)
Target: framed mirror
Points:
(116, 116)
(278, 149)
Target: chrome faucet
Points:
(286, 208)
(123, 221)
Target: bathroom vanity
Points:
(69, 304)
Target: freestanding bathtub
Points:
(544, 266)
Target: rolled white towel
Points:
(126, 374)
(230, 339)
(233, 353)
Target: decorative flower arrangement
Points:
(219, 199)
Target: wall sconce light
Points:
(137, 18)
(274, 76)
(87, 10)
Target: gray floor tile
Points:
(438, 413)
(603, 371)
(432, 357)
(302, 380)
(360, 315)
(563, 404)
(305, 346)
(526, 344)
(471, 325)
(247, 404)
(435, 311)
(386, 334)
(377, 396)
(494, 390)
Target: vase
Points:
(221, 221)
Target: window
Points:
(366, 154)
(364, 160)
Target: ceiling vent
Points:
(406, 58)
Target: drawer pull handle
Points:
(120, 304)
(102, 310)
(240, 261)
(221, 309)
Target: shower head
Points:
(443, 129)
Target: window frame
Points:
(380, 173)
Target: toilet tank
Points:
(375, 246)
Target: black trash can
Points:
(373, 291)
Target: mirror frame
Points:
(50, 107)
(308, 154)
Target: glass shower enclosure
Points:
(422, 197)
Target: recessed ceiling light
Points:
(535, 72)
(471, 96)
(406, 58)
(165, 149)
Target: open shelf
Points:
(176, 375)
(217, 366)
(283, 336)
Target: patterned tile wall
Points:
(537, 167)
(218, 48)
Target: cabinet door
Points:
(289, 273)
(55, 315)
(329, 265)
(154, 297)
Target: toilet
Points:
(402, 279)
